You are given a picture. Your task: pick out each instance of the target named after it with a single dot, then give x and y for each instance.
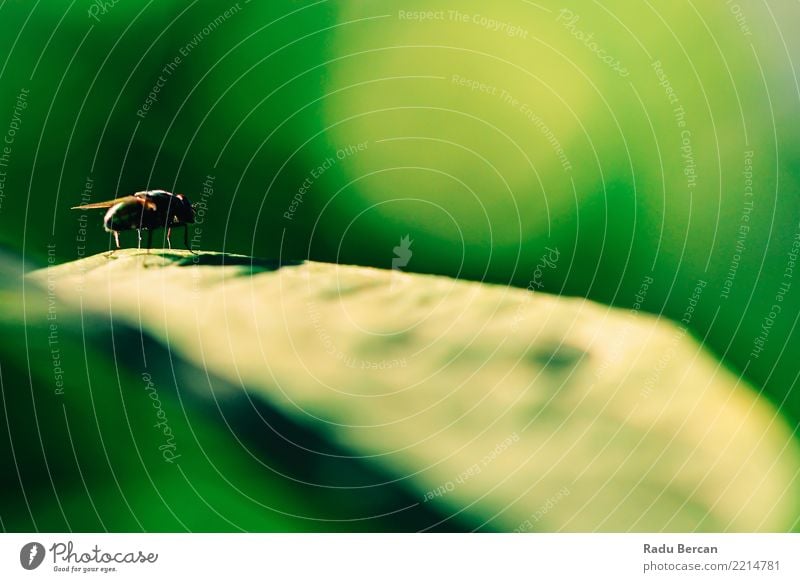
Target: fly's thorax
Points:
(184, 211)
(172, 209)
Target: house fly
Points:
(147, 210)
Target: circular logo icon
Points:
(31, 555)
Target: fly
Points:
(147, 210)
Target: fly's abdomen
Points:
(123, 216)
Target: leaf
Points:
(520, 410)
(82, 395)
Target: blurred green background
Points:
(639, 139)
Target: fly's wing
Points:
(137, 198)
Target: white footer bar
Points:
(379, 557)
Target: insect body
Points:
(147, 210)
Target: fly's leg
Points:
(139, 234)
(186, 239)
(169, 242)
(116, 240)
